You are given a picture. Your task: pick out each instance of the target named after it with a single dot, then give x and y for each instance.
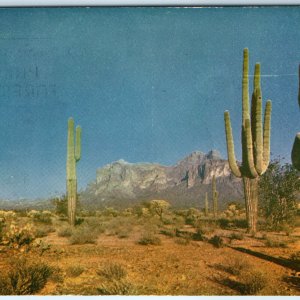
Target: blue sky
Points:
(145, 84)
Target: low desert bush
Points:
(272, 243)
(236, 266)
(74, 271)
(252, 282)
(236, 236)
(65, 231)
(217, 241)
(16, 236)
(24, 278)
(182, 241)
(149, 239)
(42, 231)
(113, 271)
(295, 257)
(117, 288)
(83, 235)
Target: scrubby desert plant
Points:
(74, 271)
(65, 231)
(16, 236)
(24, 278)
(112, 271)
(274, 243)
(149, 239)
(217, 241)
(117, 288)
(252, 282)
(83, 235)
(295, 257)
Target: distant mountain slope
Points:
(121, 184)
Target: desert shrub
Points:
(110, 212)
(24, 278)
(16, 237)
(236, 266)
(149, 239)
(43, 231)
(278, 191)
(295, 257)
(95, 224)
(252, 281)
(275, 243)
(61, 205)
(192, 216)
(171, 232)
(117, 288)
(65, 231)
(74, 271)
(83, 235)
(198, 235)
(217, 241)
(236, 236)
(120, 226)
(112, 271)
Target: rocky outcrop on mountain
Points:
(122, 183)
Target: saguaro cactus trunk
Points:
(206, 209)
(255, 141)
(73, 156)
(215, 196)
(296, 146)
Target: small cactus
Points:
(73, 156)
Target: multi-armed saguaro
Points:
(255, 141)
(73, 156)
(296, 146)
(215, 196)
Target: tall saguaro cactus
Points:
(296, 146)
(255, 141)
(206, 205)
(73, 156)
(215, 196)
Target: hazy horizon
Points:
(145, 84)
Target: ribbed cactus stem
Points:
(255, 140)
(296, 146)
(73, 156)
(206, 211)
(215, 196)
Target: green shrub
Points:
(252, 282)
(295, 257)
(236, 265)
(149, 239)
(117, 288)
(65, 231)
(217, 241)
(236, 236)
(24, 278)
(275, 243)
(113, 271)
(83, 235)
(74, 271)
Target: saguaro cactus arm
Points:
(296, 152)
(78, 144)
(230, 146)
(267, 135)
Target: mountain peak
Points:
(214, 154)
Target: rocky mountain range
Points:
(121, 184)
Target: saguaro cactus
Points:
(255, 142)
(73, 156)
(296, 146)
(206, 209)
(215, 196)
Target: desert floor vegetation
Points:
(133, 253)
